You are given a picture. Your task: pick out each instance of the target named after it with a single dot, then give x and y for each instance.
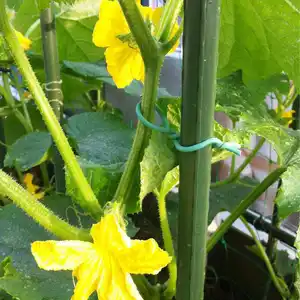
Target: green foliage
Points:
(103, 143)
(95, 73)
(74, 28)
(172, 108)
(285, 265)
(13, 129)
(103, 180)
(261, 38)
(29, 151)
(21, 278)
(158, 160)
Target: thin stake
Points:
(201, 29)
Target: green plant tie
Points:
(165, 128)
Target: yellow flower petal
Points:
(143, 257)
(109, 235)
(32, 188)
(24, 41)
(120, 63)
(61, 255)
(111, 24)
(121, 287)
(88, 275)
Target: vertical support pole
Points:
(53, 83)
(200, 44)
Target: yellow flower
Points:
(24, 41)
(32, 188)
(287, 116)
(105, 265)
(123, 57)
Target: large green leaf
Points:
(260, 38)
(22, 278)
(74, 28)
(100, 138)
(158, 160)
(29, 150)
(103, 143)
(235, 98)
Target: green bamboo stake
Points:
(53, 83)
(201, 27)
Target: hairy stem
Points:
(40, 213)
(168, 243)
(142, 35)
(90, 202)
(142, 134)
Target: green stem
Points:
(240, 209)
(91, 203)
(166, 47)
(11, 102)
(142, 35)
(53, 84)
(45, 176)
(237, 173)
(201, 30)
(168, 243)
(142, 134)
(40, 213)
(168, 18)
(279, 283)
(22, 99)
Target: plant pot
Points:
(236, 273)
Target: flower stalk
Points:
(90, 201)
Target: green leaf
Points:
(103, 143)
(169, 182)
(98, 72)
(228, 196)
(223, 198)
(103, 180)
(13, 129)
(261, 38)
(29, 151)
(158, 160)
(23, 279)
(285, 265)
(172, 108)
(235, 98)
(74, 29)
(100, 138)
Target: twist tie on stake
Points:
(174, 136)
